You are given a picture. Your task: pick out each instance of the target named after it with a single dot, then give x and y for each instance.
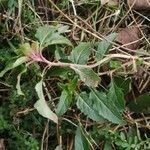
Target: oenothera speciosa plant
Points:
(78, 62)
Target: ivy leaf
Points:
(80, 54)
(19, 91)
(105, 107)
(87, 75)
(86, 106)
(48, 35)
(116, 96)
(42, 106)
(12, 65)
(81, 142)
(104, 46)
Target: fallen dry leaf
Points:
(129, 35)
(139, 4)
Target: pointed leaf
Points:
(105, 107)
(86, 106)
(81, 142)
(56, 38)
(104, 46)
(116, 96)
(64, 102)
(87, 75)
(48, 35)
(124, 83)
(66, 97)
(80, 54)
(12, 65)
(44, 33)
(42, 106)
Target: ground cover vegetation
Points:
(74, 75)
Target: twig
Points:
(107, 58)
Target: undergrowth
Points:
(65, 81)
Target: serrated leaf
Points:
(81, 142)
(104, 46)
(105, 107)
(42, 106)
(44, 33)
(80, 54)
(19, 91)
(116, 96)
(48, 35)
(86, 106)
(56, 38)
(14, 64)
(87, 75)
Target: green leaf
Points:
(116, 96)
(42, 106)
(66, 97)
(64, 102)
(123, 83)
(19, 91)
(87, 75)
(86, 106)
(104, 46)
(44, 33)
(60, 54)
(107, 145)
(64, 73)
(105, 107)
(25, 48)
(142, 103)
(80, 54)
(81, 142)
(56, 38)
(115, 64)
(48, 35)
(12, 65)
